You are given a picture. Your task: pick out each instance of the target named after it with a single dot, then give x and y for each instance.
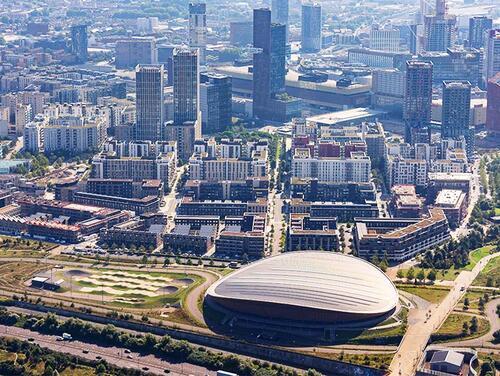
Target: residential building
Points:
(133, 51)
(453, 203)
(190, 207)
(79, 43)
(198, 29)
(308, 233)
(138, 231)
(385, 38)
(440, 28)
(493, 110)
(492, 53)
(405, 202)
(279, 13)
(240, 33)
(418, 101)
(311, 27)
(478, 25)
(216, 105)
(401, 170)
(149, 102)
(456, 113)
(270, 101)
(388, 87)
(344, 211)
(400, 239)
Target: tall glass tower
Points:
(149, 102)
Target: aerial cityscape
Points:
(250, 188)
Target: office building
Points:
(454, 64)
(400, 239)
(413, 39)
(133, 51)
(308, 233)
(385, 39)
(216, 105)
(279, 13)
(388, 87)
(311, 28)
(492, 53)
(240, 33)
(270, 102)
(166, 57)
(149, 102)
(456, 113)
(418, 101)
(440, 28)
(198, 29)
(378, 59)
(477, 28)
(493, 110)
(79, 43)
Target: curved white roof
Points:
(313, 279)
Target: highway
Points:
(120, 357)
(424, 322)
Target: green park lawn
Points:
(452, 273)
(492, 271)
(452, 328)
(432, 294)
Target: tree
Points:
(421, 275)
(473, 324)
(410, 274)
(466, 304)
(431, 276)
(465, 328)
(144, 259)
(400, 274)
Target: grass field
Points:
(452, 273)
(432, 294)
(492, 270)
(473, 296)
(381, 361)
(451, 329)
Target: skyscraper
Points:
(477, 29)
(418, 101)
(311, 27)
(186, 127)
(493, 110)
(215, 99)
(279, 13)
(492, 53)
(149, 102)
(186, 85)
(455, 121)
(79, 43)
(440, 29)
(198, 28)
(268, 63)
(133, 51)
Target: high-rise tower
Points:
(311, 27)
(440, 29)
(279, 13)
(198, 28)
(149, 102)
(79, 43)
(418, 101)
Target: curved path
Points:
(421, 327)
(485, 340)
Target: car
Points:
(31, 339)
(462, 288)
(59, 339)
(145, 368)
(166, 371)
(129, 357)
(85, 351)
(98, 357)
(126, 351)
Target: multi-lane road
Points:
(117, 356)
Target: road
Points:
(425, 322)
(191, 304)
(113, 355)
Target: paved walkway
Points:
(421, 325)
